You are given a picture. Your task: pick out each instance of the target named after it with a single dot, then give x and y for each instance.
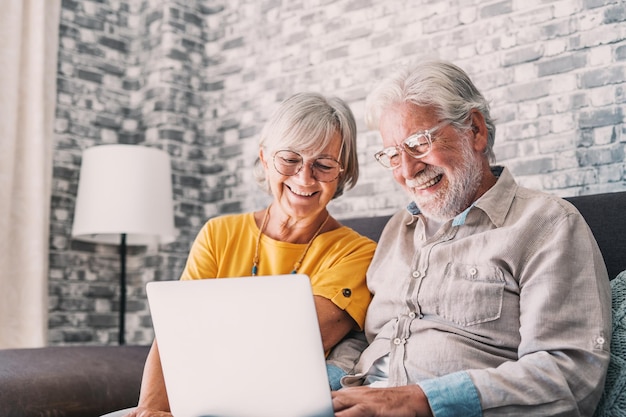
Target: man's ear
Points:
(479, 131)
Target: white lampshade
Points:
(124, 189)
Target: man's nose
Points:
(410, 166)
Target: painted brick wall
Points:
(199, 78)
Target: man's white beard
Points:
(448, 202)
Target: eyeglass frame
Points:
(312, 165)
(403, 147)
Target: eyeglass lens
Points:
(290, 163)
(417, 146)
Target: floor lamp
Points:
(124, 198)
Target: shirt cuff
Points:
(335, 374)
(452, 395)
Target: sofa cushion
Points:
(613, 402)
(70, 381)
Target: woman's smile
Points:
(300, 193)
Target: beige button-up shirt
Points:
(507, 308)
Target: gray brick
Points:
(172, 134)
(211, 169)
(561, 64)
(68, 31)
(64, 172)
(100, 320)
(90, 49)
(522, 55)
(188, 181)
(101, 291)
(89, 76)
(112, 68)
(69, 4)
(558, 29)
(247, 132)
(178, 54)
(191, 209)
(578, 101)
(193, 19)
(131, 138)
(89, 23)
(153, 16)
(615, 14)
(77, 336)
(69, 304)
(116, 44)
(231, 207)
(230, 151)
(110, 121)
(620, 95)
(600, 117)
(600, 156)
(592, 4)
(336, 53)
(382, 40)
(227, 124)
(214, 86)
(603, 76)
(568, 179)
(357, 5)
(506, 151)
(529, 91)
(496, 9)
(192, 45)
(533, 165)
(233, 43)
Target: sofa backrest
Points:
(605, 214)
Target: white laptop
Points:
(241, 347)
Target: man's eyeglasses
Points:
(418, 145)
(323, 169)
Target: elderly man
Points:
(488, 298)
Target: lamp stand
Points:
(122, 326)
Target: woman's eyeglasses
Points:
(323, 169)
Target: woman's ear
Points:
(262, 158)
(479, 131)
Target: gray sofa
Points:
(86, 381)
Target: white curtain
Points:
(28, 57)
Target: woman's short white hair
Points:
(307, 122)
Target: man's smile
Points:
(426, 184)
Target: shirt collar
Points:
(495, 202)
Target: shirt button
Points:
(346, 292)
(412, 314)
(398, 341)
(416, 274)
(600, 340)
(473, 271)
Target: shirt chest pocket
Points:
(471, 294)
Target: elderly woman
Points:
(307, 157)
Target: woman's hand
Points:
(406, 401)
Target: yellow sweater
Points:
(336, 261)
